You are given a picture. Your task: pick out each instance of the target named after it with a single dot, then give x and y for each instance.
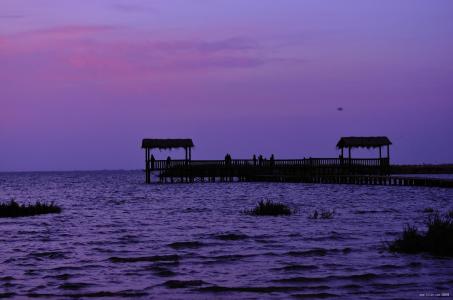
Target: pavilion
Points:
(364, 142)
(163, 144)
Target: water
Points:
(118, 237)
(436, 176)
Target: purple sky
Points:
(82, 82)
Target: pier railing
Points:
(278, 163)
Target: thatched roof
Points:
(167, 143)
(363, 142)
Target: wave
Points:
(315, 296)
(351, 286)
(64, 276)
(250, 289)
(186, 245)
(6, 278)
(231, 236)
(180, 284)
(225, 258)
(318, 252)
(172, 258)
(49, 255)
(313, 252)
(364, 277)
(7, 295)
(362, 212)
(333, 236)
(391, 285)
(160, 271)
(74, 285)
(80, 267)
(122, 294)
(296, 268)
(195, 210)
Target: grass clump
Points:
(428, 210)
(270, 208)
(13, 209)
(450, 214)
(323, 214)
(438, 239)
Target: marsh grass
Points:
(270, 208)
(450, 214)
(13, 209)
(438, 239)
(323, 214)
(428, 210)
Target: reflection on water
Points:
(118, 237)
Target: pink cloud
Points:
(83, 52)
(72, 31)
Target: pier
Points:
(341, 170)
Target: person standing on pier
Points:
(254, 160)
(168, 161)
(272, 160)
(260, 160)
(228, 159)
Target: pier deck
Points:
(308, 170)
(341, 170)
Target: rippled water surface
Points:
(118, 237)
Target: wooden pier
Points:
(359, 171)
(310, 170)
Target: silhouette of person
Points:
(153, 160)
(254, 160)
(168, 161)
(260, 160)
(228, 159)
(272, 160)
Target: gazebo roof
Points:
(363, 142)
(167, 143)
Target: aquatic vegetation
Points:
(13, 209)
(428, 210)
(437, 240)
(270, 208)
(323, 214)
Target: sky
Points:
(82, 82)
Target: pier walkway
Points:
(341, 170)
(308, 170)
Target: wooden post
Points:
(147, 171)
(388, 159)
(380, 152)
(190, 154)
(349, 152)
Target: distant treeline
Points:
(422, 169)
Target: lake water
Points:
(118, 237)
